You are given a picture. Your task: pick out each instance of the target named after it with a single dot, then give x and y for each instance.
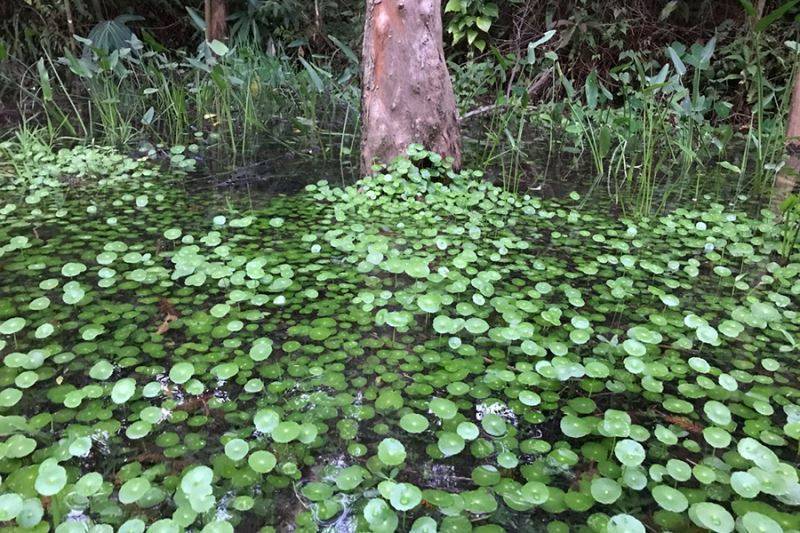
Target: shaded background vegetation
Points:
(638, 95)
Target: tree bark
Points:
(760, 8)
(70, 25)
(216, 13)
(407, 96)
(98, 10)
(793, 125)
(786, 181)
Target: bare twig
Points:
(70, 24)
(534, 88)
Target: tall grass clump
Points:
(236, 98)
(655, 129)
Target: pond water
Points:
(419, 351)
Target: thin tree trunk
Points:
(318, 19)
(407, 96)
(70, 24)
(793, 125)
(98, 10)
(216, 11)
(786, 180)
(760, 8)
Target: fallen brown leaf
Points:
(170, 315)
(684, 423)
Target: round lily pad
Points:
(670, 499)
(262, 461)
(414, 423)
(711, 516)
(391, 452)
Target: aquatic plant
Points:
(418, 351)
(790, 224)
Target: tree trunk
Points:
(793, 125)
(786, 180)
(70, 25)
(407, 96)
(216, 12)
(98, 10)
(760, 8)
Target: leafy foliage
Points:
(471, 19)
(534, 359)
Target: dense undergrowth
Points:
(419, 351)
(654, 104)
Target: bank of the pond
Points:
(419, 351)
